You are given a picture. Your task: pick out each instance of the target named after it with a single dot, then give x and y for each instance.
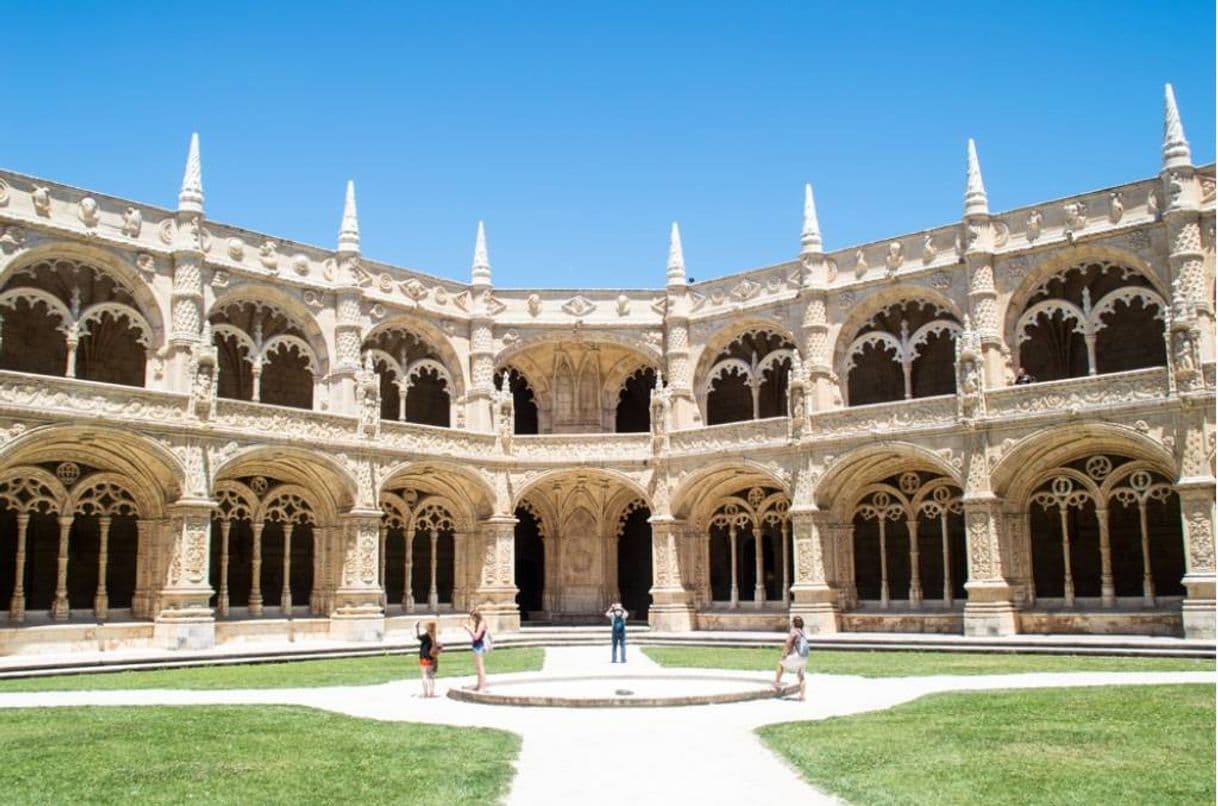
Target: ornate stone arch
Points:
(107, 494)
(154, 473)
(695, 495)
(725, 336)
(32, 489)
(471, 497)
(432, 336)
(881, 299)
(589, 474)
(1023, 465)
(840, 486)
(329, 485)
(119, 265)
(293, 309)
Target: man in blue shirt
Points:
(617, 616)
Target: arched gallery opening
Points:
(907, 350)
(634, 402)
(523, 401)
(634, 561)
(748, 379)
(530, 565)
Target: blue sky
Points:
(580, 131)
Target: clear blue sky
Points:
(580, 131)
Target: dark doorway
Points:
(530, 565)
(634, 402)
(634, 563)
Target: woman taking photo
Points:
(479, 645)
(429, 656)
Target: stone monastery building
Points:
(209, 434)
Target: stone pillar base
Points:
(982, 619)
(500, 617)
(1198, 615)
(369, 626)
(672, 617)
(185, 628)
(1198, 608)
(820, 618)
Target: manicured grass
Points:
(1120, 744)
(245, 754)
(293, 674)
(913, 664)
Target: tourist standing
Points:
(617, 616)
(479, 644)
(794, 656)
(429, 656)
(1023, 377)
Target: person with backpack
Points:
(480, 644)
(794, 656)
(617, 616)
(429, 656)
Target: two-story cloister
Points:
(1000, 425)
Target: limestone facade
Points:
(209, 434)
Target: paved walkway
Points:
(704, 754)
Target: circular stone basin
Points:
(620, 691)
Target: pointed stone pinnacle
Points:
(480, 272)
(809, 241)
(676, 258)
(348, 231)
(190, 197)
(1176, 152)
(975, 201)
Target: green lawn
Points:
(245, 754)
(912, 664)
(1119, 744)
(290, 674)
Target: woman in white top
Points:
(794, 657)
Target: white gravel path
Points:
(696, 754)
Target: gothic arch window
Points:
(634, 402)
(264, 355)
(750, 557)
(416, 386)
(1105, 527)
(906, 350)
(419, 550)
(748, 378)
(72, 319)
(74, 533)
(909, 541)
(1092, 318)
(263, 546)
(523, 400)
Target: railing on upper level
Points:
(54, 397)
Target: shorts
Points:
(478, 649)
(794, 663)
(428, 667)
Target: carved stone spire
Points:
(190, 197)
(480, 271)
(975, 201)
(676, 258)
(1176, 153)
(809, 241)
(348, 231)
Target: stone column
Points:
(814, 598)
(732, 547)
(255, 601)
(480, 397)
(185, 620)
(915, 573)
(672, 604)
(285, 593)
(685, 412)
(59, 608)
(408, 588)
(101, 602)
(16, 606)
(348, 325)
(186, 304)
(433, 593)
(1107, 587)
(356, 613)
(222, 597)
(758, 565)
(497, 591)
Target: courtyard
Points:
(877, 727)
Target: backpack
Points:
(801, 645)
(619, 622)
